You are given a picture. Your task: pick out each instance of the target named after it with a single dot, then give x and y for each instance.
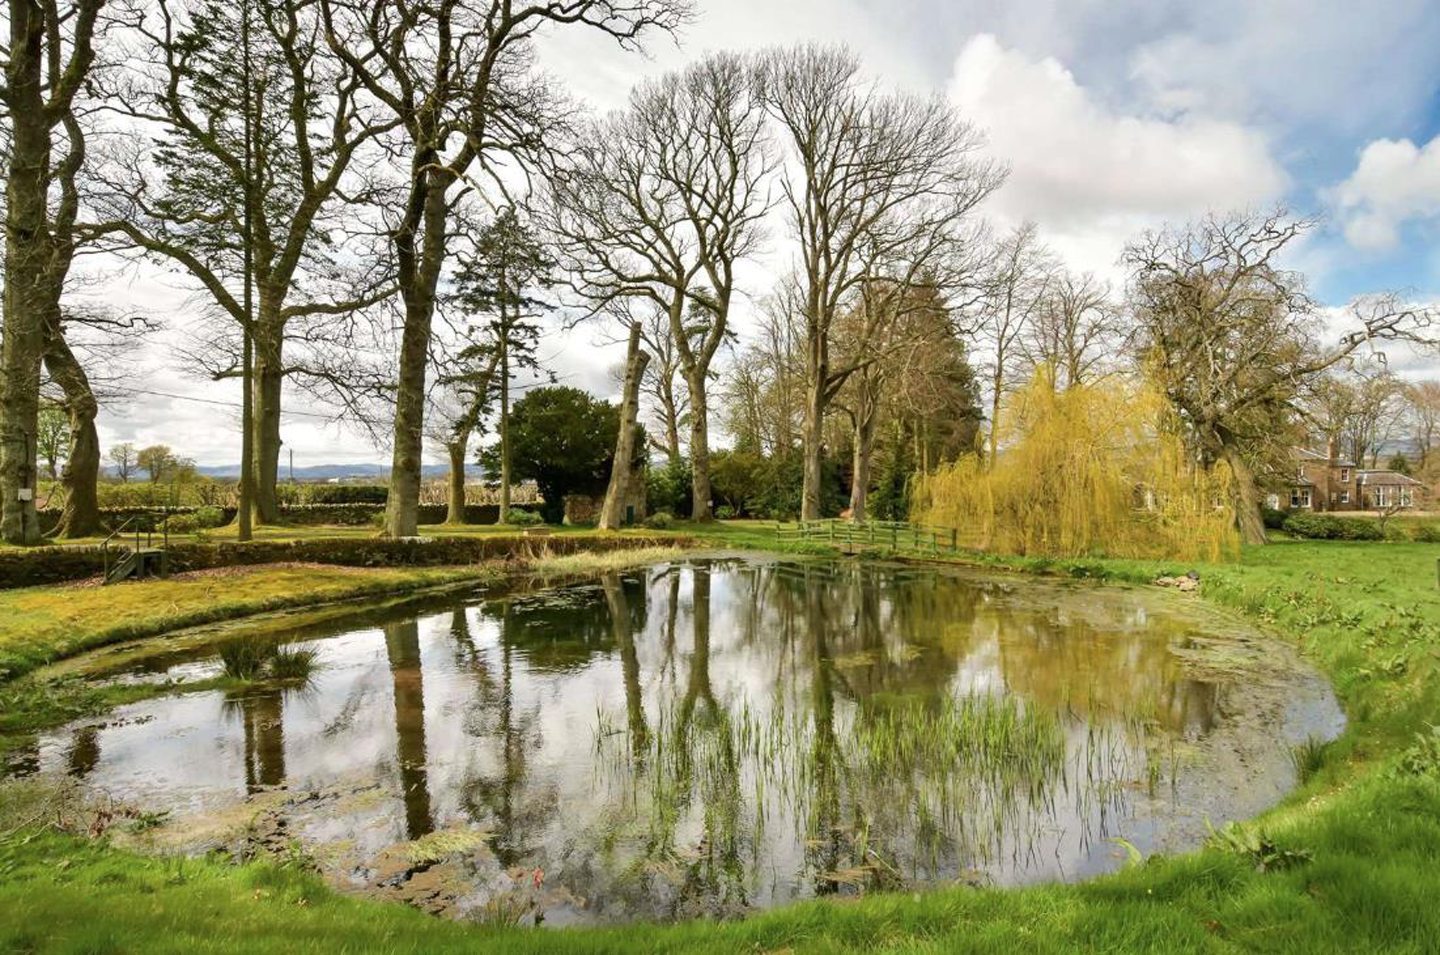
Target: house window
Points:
(1407, 497)
(1382, 496)
(1300, 497)
(1344, 497)
(1344, 475)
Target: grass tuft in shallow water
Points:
(1310, 757)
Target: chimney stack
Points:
(1332, 449)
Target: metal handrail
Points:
(105, 544)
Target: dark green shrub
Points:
(660, 521)
(519, 518)
(1426, 532)
(668, 488)
(1330, 527)
(181, 524)
(209, 517)
(1274, 519)
(726, 513)
(343, 494)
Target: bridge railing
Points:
(891, 536)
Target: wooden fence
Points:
(892, 536)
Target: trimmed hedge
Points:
(53, 565)
(1330, 527)
(300, 515)
(333, 493)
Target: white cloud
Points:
(1337, 65)
(596, 69)
(1394, 182)
(1091, 175)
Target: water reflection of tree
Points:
(261, 711)
(505, 799)
(1071, 665)
(823, 848)
(84, 753)
(620, 622)
(402, 647)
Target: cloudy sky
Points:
(1113, 115)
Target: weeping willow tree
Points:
(1097, 469)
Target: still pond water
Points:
(712, 736)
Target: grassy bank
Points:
(46, 623)
(1350, 862)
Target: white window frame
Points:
(1301, 497)
(1344, 475)
(1344, 497)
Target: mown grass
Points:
(42, 624)
(1349, 862)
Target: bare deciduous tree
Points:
(1423, 398)
(878, 186)
(122, 456)
(307, 130)
(765, 406)
(1018, 283)
(456, 78)
(661, 202)
(1076, 331)
(663, 385)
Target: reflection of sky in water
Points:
(595, 732)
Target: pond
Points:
(716, 735)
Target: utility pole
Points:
(244, 527)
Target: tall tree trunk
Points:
(402, 508)
(81, 517)
(269, 380)
(700, 505)
(864, 453)
(457, 448)
(402, 647)
(29, 294)
(813, 449)
(1247, 497)
(504, 427)
(995, 385)
(622, 469)
(420, 259)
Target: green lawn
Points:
(1351, 861)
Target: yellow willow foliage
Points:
(1090, 471)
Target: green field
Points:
(1349, 862)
